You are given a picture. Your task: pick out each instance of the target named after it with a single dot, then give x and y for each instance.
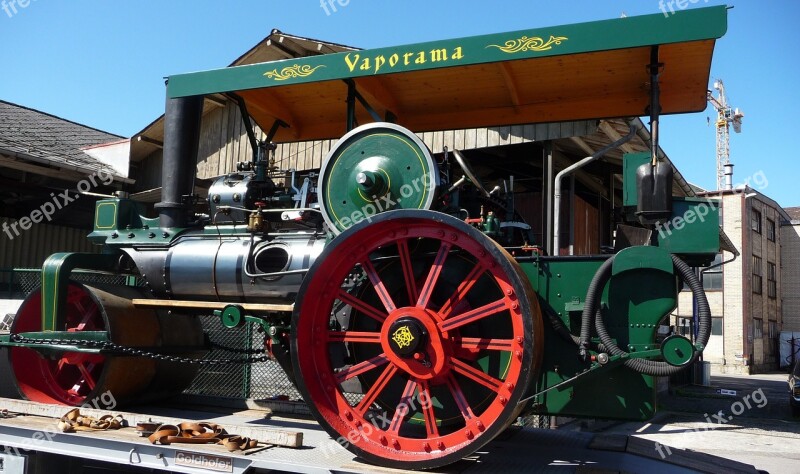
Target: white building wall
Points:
(790, 275)
(733, 284)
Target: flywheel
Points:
(375, 168)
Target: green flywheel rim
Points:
(375, 168)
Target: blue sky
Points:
(103, 63)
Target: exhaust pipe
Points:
(181, 137)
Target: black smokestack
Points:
(181, 136)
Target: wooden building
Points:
(52, 171)
(534, 153)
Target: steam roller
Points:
(420, 306)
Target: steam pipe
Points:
(181, 137)
(634, 126)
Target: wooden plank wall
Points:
(309, 155)
(147, 172)
(33, 246)
(588, 233)
(223, 143)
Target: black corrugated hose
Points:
(643, 366)
(592, 299)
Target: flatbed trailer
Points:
(31, 443)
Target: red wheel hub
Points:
(413, 342)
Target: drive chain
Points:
(136, 352)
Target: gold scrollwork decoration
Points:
(292, 71)
(533, 43)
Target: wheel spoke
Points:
(87, 376)
(433, 275)
(354, 336)
(402, 410)
(477, 375)
(479, 343)
(377, 283)
(78, 305)
(458, 396)
(87, 316)
(362, 307)
(462, 290)
(408, 270)
(361, 367)
(472, 316)
(426, 400)
(376, 389)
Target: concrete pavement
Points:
(754, 426)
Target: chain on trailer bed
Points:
(28, 429)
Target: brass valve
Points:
(256, 221)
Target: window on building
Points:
(756, 281)
(712, 277)
(771, 230)
(773, 330)
(685, 324)
(755, 221)
(716, 326)
(772, 287)
(758, 328)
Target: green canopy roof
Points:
(568, 72)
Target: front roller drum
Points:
(102, 380)
(415, 339)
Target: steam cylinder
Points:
(231, 268)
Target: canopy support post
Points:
(351, 104)
(654, 68)
(352, 96)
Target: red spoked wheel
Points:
(78, 378)
(415, 338)
(71, 376)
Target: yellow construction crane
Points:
(726, 115)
